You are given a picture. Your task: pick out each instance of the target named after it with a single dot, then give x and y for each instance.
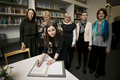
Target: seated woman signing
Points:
(56, 37)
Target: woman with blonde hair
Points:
(68, 28)
(46, 17)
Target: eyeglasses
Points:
(67, 17)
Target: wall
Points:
(115, 12)
(94, 6)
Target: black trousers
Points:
(97, 55)
(82, 47)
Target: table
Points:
(22, 68)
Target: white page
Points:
(55, 69)
(41, 69)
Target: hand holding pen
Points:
(39, 63)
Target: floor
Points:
(112, 66)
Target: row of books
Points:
(40, 21)
(17, 1)
(53, 14)
(44, 5)
(76, 16)
(10, 20)
(9, 9)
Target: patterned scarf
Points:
(105, 30)
(82, 26)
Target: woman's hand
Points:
(107, 50)
(38, 45)
(89, 47)
(50, 62)
(38, 64)
(23, 47)
(72, 45)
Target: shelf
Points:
(78, 13)
(55, 10)
(77, 19)
(6, 25)
(13, 4)
(52, 17)
(12, 14)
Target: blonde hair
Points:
(46, 13)
(69, 15)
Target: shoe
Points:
(78, 67)
(84, 70)
(91, 71)
(97, 75)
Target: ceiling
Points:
(113, 2)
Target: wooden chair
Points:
(16, 52)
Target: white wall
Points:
(115, 12)
(94, 6)
(70, 9)
(11, 32)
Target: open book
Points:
(57, 69)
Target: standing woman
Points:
(102, 34)
(84, 39)
(29, 33)
(69, 28)
(56, 37)
(46, 17)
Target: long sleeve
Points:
(110, 36)
(45, 48)
(60, 44)
(74, 37)
(38, 37)
(22, 31)
(90, 35)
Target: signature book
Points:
(57, 69)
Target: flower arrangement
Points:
(5, 72)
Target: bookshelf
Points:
(12, 14)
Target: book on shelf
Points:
(44, 5)
(12, 10)
(76, 16)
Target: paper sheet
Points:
(40, 70)
(55, 69)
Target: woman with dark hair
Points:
(84, 39)
(29, 33)
(101, 34)
(56, 37)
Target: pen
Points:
(38, 61)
